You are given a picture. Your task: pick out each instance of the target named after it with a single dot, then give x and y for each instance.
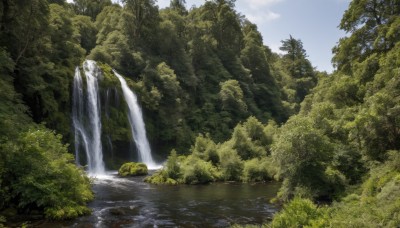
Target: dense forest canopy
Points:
(211, 90)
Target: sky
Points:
(314, 22)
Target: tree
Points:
(299, 67)
(302, 154)
(296, 56)
(141, 22)
(40, 172)
(85, 32)
(90, 8)
(373, 25)
(22, 25)
(231, 96)
(179, 6)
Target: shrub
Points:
(250, 140)
(297, 213)
(205, 149)
(256, 170)
(40, 173)
(197, 171)
(172, 167)
(160, 177)
(132, 169)
(231, 164)
(376, 203)
(301, 152)
(170, 174)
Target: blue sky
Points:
(315, 22)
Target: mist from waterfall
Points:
(137, 125)
(86, 118)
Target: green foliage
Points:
(39, 172)
(231, 96)
(197, 171)
(133, 169)
(300, 78)
(231, 165)
(248, 139)
(371, 25)
(90, 8)
(376, 203)
(297, 213)
(170, 174)
(352, 116)
(205, 149)
(12, 110)
(301, 153)
(211, 162)
(172, 167)
(257, 170)
(160, 177)
(85, 32)
(141, 20)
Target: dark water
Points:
(129, 202)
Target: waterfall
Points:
(137, 125)
(86, 118)
(81, 137)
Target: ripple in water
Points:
(129, 202)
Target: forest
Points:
(218, 105)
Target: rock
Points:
(133, 169)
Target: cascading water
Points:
(81, 136)
(87, 122)
(137, 125)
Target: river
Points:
(130, 202)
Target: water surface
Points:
(129, 202)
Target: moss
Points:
(69, 212)
(109, 79)
(133, 169)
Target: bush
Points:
(256, 170)
(39, 173)
(378, 205)
(172, 167)
(133, 169)
(297, 213)
(231, 164)
(301, 152)
(205, 149)
(170, 174)
(160, 177)
(197, 171)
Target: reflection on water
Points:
(129, 202)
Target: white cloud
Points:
(256, 4)
(259, 11)
(262, 17)
(163, 3)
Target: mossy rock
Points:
(133, 169)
